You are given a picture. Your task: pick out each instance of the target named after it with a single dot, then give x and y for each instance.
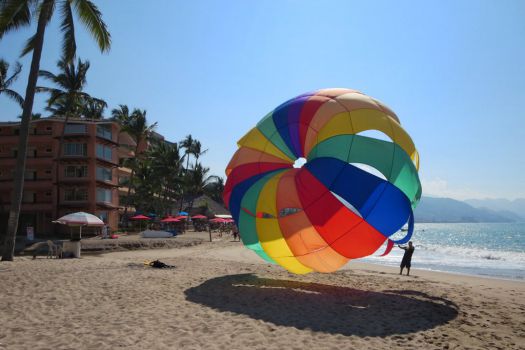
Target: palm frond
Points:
(90, 15)
(30, 45)
(15, 96)
(69, 46)
(14, 76)
(13, 15)
(47, 75)
(45, 9)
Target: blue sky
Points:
(453, 71)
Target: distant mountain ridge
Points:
(516, 206)
(433, 209)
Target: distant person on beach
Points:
(105, 231)
(407, 258)
(235, 232)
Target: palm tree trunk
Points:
(16, 201)
(124, 216)
(182, 195)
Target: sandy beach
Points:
(221, 296)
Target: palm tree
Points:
(167, 164)
(191, 147)
(196, 180)
(187, 144)
(68, 99)
(5, 82)
(214, 188)
(18, 13)
(121, 114)
(94, 109)
(196, 150)
(137, 127)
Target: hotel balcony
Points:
(74, 204)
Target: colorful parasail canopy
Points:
(309, 191)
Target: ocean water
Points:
(480, 249)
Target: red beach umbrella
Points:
(170, 219)
(217, 220)
(140, 217)
(199, 217)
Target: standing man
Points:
(407, 257)
(105, 231)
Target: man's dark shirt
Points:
(407, 257)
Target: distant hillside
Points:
(432, 209)
(516, 206)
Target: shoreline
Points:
(451, 273)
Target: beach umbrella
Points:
(310, 167)
(141, 218)
(170, 219)
(199, 217)
(181, 217)
(80, 219)
(183, 213)
(218, 220)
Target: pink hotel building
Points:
(89, 172)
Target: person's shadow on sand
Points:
(324, 308)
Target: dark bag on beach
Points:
(159, 264)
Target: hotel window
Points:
(31, 152)
(76, 129)
(75, 149)
(103, 195)
(104, 174)
(123, 180)
(76, 171)
(30, 175)
(28, 197)
(104, 131)
(104, 152)
(75, 194)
